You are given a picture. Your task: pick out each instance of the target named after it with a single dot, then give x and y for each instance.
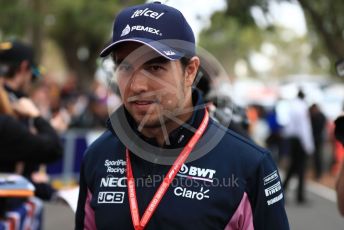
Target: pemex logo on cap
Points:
(147, 29)
(125, 31)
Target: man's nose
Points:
(139, 82)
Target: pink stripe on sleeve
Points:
(89, 221)
(242, 218)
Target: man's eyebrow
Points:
(157, 60)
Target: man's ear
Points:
(191, 70)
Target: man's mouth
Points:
(143, 102)
(143, 105)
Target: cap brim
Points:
(157, 46)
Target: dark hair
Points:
(203, 83)
(9, 69)
(184, 61)
(301, 94)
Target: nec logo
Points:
(113, 182)
(197, 173)
(147, 13)
(110, 197)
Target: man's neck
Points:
(161, 133)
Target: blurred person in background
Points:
(21, 70)
(274, 141)
(318, 122)
(259, 128)
(35, 141)
(298, 131)
(223, 110)
(339, 134)
(221, 107)
(46, 96)
(94, 112)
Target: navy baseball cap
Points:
(14, 52)
(158, 26)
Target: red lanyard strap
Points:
(141, 224)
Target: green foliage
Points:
(71, 24)
(82, 21)
(234, 34)
(14, 19)
(229, 40)
(87, 24)
(241, 10)
(326, 22)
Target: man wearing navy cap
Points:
(18, 66)
(19, 70)
(164, 163)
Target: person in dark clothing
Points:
(274, 141)
(19, 144)
(221, 107)
(298, 130)
(17, 70)
(318, 122)
(339, 134)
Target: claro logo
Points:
(196, 173)
(187, 193)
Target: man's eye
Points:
(155, 68)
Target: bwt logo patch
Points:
(196, 173)
(110, 197)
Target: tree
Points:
(230, 40)
(22, 19)
(326, 18)
(226, 37)
(80, 28)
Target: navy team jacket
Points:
(234, 186)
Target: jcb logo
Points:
(110, 197)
